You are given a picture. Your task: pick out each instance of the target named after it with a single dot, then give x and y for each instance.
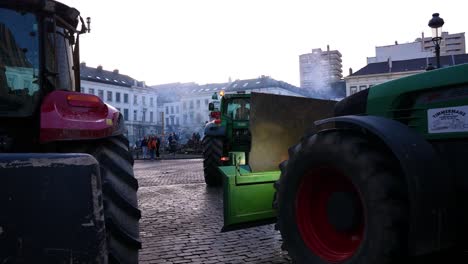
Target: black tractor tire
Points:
(374, 176)
(212, 152)
(120, 187)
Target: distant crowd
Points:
(152, 145)
(149, 146)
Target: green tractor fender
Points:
(431, 194)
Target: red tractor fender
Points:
(67, 115)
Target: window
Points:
(167, 121)
(177, 109)
(151, 101)
(117, 97)
(109, 96)
(191, 104)
(125, 114)
(143, 100)
(177, 120)
(206, 102)
(143, 117)
(184, 121)
(184, 105)
(172, 109)
(135, 100)
(172, 120)
(198, 104)
(238, 109)
(91, 91)
(362, 87)
(101, 94)
(353, 89)
(134, 115)
(191, 117)
(126, 98)
(167, 110)
(151, 117)
(82, 90)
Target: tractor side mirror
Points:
(211, 106)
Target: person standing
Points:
(158, 143)
(152, 147)
(144, 147)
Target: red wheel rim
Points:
(319, 235)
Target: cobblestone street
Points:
(182, 219)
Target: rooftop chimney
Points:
(328, 48)
(396, 42)
(350, 71)
(99, 68)
(116, 71)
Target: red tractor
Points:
(67, 189)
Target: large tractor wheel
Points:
(342, 199)
(120, 195)
(212, 152)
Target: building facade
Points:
(188, 112)
(320, 68)
(377, 73)
(451, 44)
(136, 101)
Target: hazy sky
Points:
(206, 41)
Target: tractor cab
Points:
(232, 113)
(39, 74)
(38, 51)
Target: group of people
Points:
(150, 147)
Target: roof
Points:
(110, 77)
(410, 65)
(260, 83)
(173, 91)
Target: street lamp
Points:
(436, 24)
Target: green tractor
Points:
(227, 132)
(380, 181)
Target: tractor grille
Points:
(412, 117)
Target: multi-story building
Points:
(320, 68)
(451, 44)
(136, 101)
(376, 73)
(187, 112)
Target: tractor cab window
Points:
(59, 57)
(19, 62)
(239, 109)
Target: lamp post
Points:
(436, 24)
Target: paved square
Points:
(182, 219)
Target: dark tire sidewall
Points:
(211, 161)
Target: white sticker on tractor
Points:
(449, 119)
